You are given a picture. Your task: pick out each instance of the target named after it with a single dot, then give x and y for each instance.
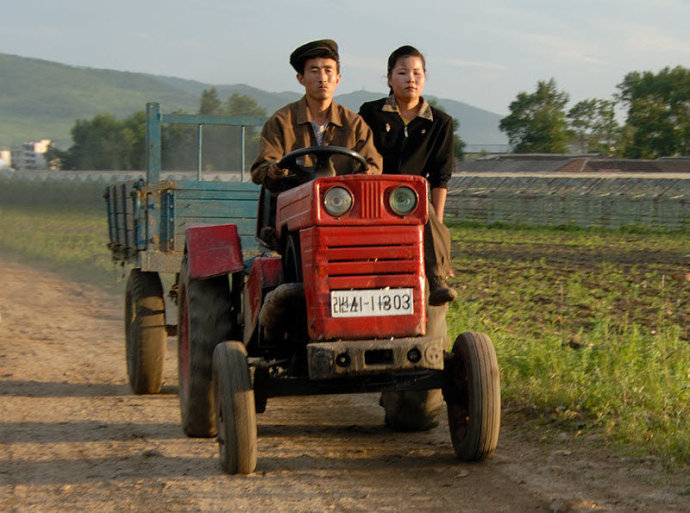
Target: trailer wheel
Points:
(417, 410)
(204, 320)
(235, 409)
(145, 333)
(473, 397)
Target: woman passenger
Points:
(417, 139)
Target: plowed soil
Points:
(74, 438)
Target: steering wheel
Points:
(323, 165)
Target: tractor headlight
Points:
(337, 201)
(403, 200)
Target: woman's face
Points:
(407, 78)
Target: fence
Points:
(591, 201)
(78, 188)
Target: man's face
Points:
(320, 78)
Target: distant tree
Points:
(134, 132)
(210, 104)
(178, 147)
(243, 105)
(658, 113)
(581, 118)
(594, 126)
(54, 156)
(220, 144)
(105, 143)
(98, 144)
(458, 143)
(537, 122)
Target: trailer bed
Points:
(147, 222)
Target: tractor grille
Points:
(360, 258)
(387, 252)
(371, 200)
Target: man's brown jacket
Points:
(290, 129)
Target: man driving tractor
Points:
(313, 120)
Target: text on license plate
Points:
(371, 302)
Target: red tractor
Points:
(337, 303)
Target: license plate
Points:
(371, 302)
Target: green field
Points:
(592, 329)
(71, 241)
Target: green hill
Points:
(269, 101)
(42, 99)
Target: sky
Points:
(478, 52)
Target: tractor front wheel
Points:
(235, 409)
(473, 397)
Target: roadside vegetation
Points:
(592, 328)
(65, 239)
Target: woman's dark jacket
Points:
(423, 147)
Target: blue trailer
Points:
(147, 223)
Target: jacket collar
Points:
(390, 105)
(302, 115)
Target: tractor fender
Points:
(213, 250)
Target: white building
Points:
(5, 159)
(30, 155)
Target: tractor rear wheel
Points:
(145, 333)
(204, 320)
(292, 259)
(417, 410)
(473, 397)
(235, 409)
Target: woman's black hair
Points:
(403, 51)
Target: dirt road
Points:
(73, 438)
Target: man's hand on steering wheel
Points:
(323, 165)
(275, 172)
